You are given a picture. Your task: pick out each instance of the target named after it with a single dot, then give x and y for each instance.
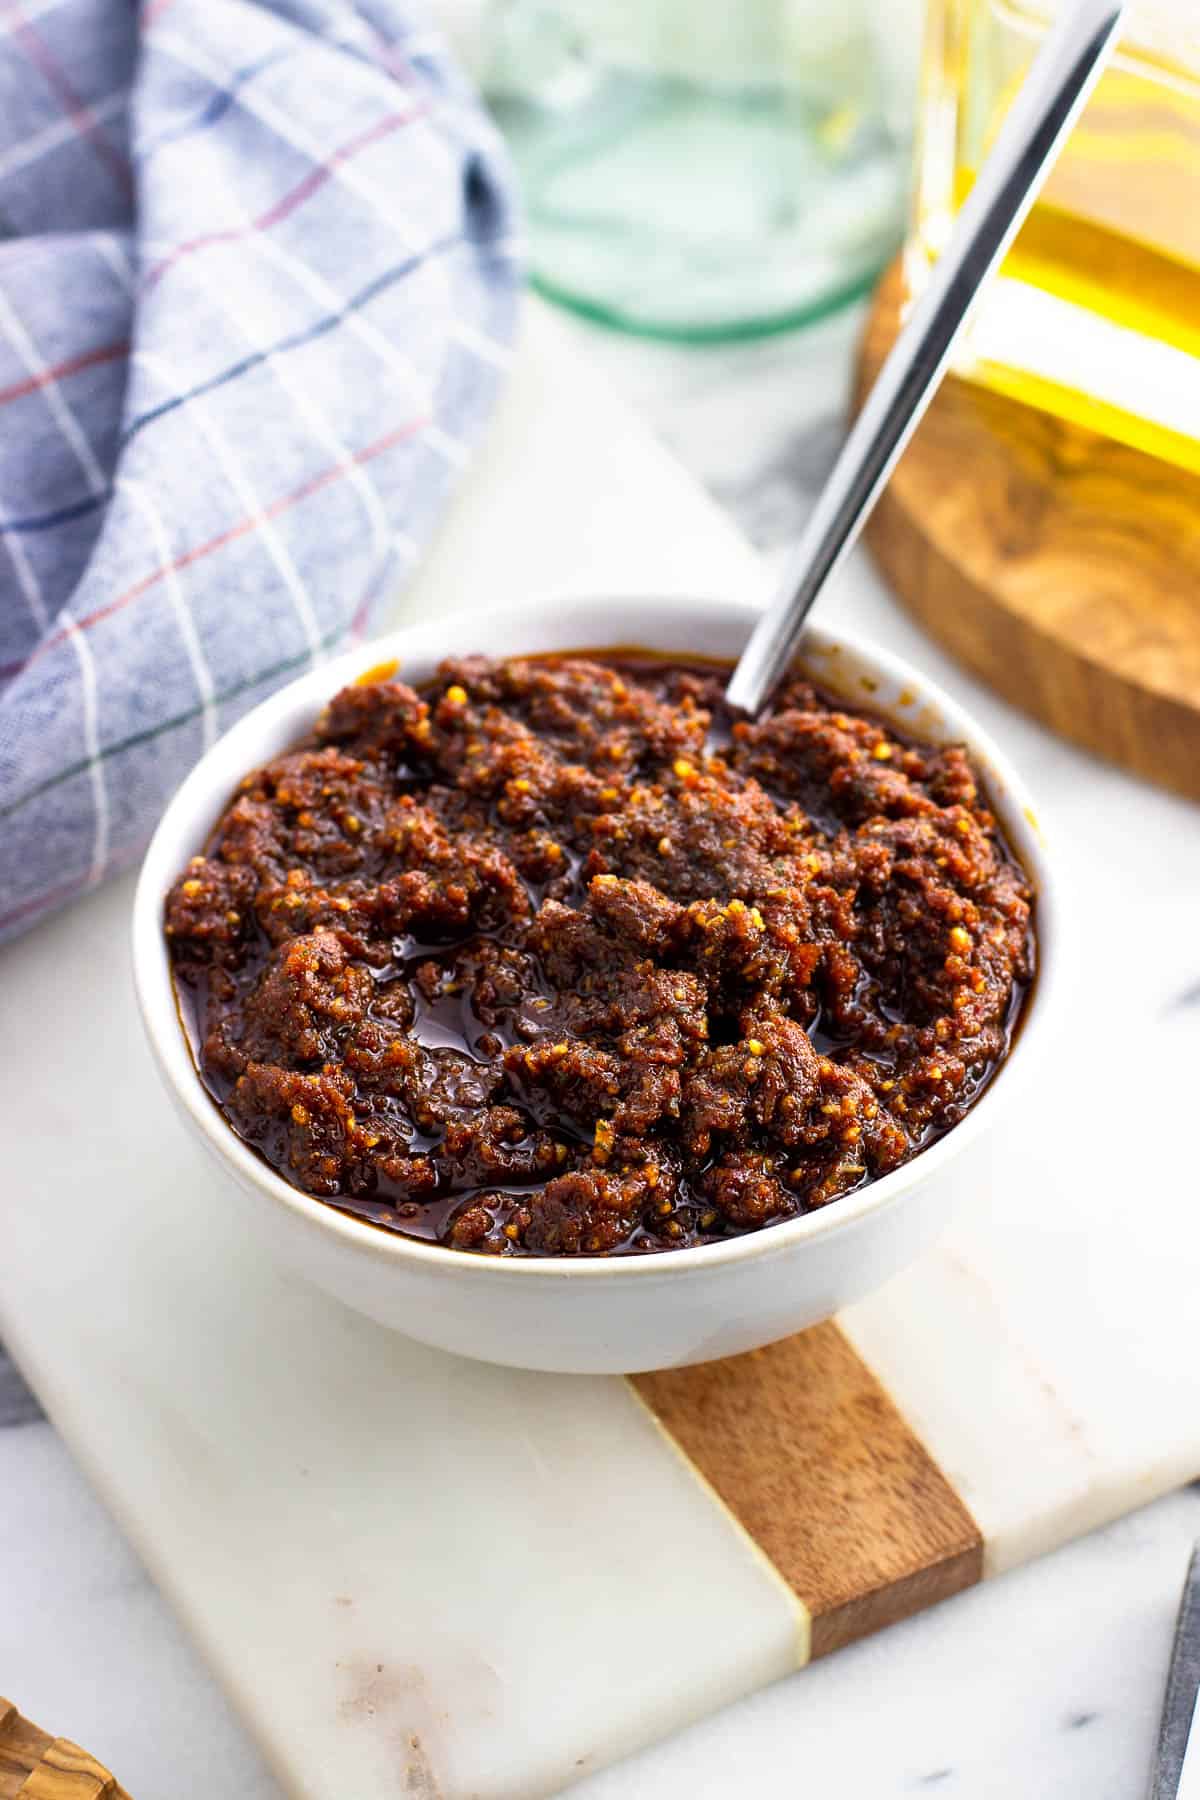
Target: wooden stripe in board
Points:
(813, 1459)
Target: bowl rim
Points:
(206, 789)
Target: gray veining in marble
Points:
(760, 423)
(17, 1405)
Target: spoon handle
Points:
(1066, 69)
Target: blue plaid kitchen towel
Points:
(257, 281)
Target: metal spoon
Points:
(1064, 73)
(1178, 1755)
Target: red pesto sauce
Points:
(552, 958)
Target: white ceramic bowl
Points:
(587, 1314)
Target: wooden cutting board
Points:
(418, 1574)
(36, 1766)
(1060, 567)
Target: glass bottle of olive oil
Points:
(1095, 314)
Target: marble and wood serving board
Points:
(419, 1575)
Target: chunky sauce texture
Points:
(522, 964)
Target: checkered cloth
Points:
(256, 284)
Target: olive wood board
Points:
(418, 1574)
(1059, 566)
(36, 1766)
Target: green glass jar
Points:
(705, 171)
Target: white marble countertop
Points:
(1045, 1683)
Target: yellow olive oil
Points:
(1095, 313)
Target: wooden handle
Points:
(36, 1766)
